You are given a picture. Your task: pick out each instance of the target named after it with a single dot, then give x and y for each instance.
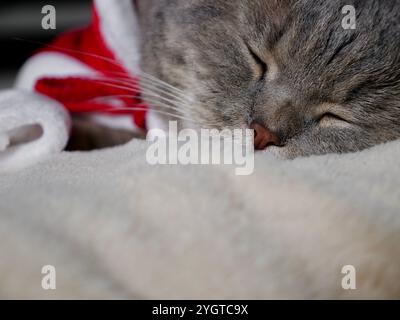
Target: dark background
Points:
(22, 19)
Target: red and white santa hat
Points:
(80, 68)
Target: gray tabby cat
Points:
(286, 68)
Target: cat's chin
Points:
(280, 153)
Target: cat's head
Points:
(286, 65)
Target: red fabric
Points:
(80, 94)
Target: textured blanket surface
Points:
(115, 227)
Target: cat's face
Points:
(288, 65)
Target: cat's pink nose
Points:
(263, 137)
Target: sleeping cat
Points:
(286, 68)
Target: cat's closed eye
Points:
(330, 118)
(261, 66)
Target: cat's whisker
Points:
(148, 92)
(68, 50)
(188, 103)
(185, 115)
(172, 107)
(147, 78)
(169, 114)
(155, 82)
(178, 105)
(113, 62)
(137, 87)
(164, 86)
(191, 113)
(153, 79)
(159, 103)
(181, 104)
(161, 82)
(181, 96)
